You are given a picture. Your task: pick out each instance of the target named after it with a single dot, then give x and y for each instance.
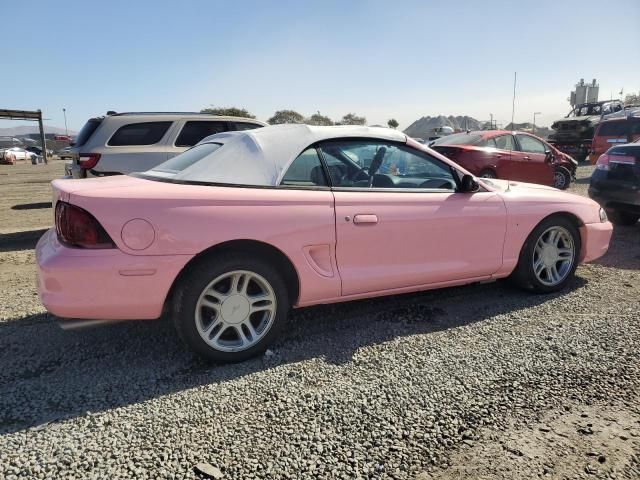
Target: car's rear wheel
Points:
(229, 309)
(561, 178)
(622, 218)
(488, 174)
(549, 257)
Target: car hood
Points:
(508, 185)
(519, 191)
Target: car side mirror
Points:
(468, 184)
(548, 156)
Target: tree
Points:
(393, 123)
(318, 119)
(632, 99)
(286, 116)
(352, 119)
(228, 112)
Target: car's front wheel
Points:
(549, 257)
(561, 178)
(230, 308)
(622, 218)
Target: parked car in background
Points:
(65, 154)
(233, 232)
(18, 153)
(38, 151)
(624, 128)
(615, 183)
(509, 155)
(131, 142)
(574, 133)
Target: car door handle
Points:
(365, 218)
(527, 158)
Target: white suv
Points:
(121, 143)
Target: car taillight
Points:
(603, 162)
(88, 160)
(78, 228)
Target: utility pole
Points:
(513, 105)
(491, 121)
(42, 137)
(534, 121)
(64, 112)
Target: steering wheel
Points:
(361, 174)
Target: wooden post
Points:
(42, 139)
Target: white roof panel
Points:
(262, 156)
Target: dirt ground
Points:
(575, 440)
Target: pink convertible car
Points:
(233, 232)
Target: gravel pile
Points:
(386, 388)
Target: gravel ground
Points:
(481, 381)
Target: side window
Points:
(243, 126)
(489, 142)
(362, 164)
(305, 171)
(530, 144)
(146, 133)
(195, 130)
(504, 142)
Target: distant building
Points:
(584, 93)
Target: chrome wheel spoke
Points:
(565, 253)
(211, 305)
(248, 325)
(538, 266)
(554, 276)
(207, 331)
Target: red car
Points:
(509, 155)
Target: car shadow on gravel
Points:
(49, 375)
(624, 248)
(32, 206)
(26, 240)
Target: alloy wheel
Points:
(235, 311)
(553, 256)
(559, 180)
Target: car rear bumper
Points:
(103, 284)
(595, 240)
(616, 196)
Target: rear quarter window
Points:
(86, 131)
(146, 133)
(244, 126)
(195, 130)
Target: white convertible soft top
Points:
(263, 155)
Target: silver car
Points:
(120, 143)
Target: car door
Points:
(530, 161)
(400, 222)
(500, 149)
(190, 132)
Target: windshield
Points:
(459, 139)
(186, 159)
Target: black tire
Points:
(524, 275)
(562, 178)
(193, 284)
(622, 218)
(487, 173)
